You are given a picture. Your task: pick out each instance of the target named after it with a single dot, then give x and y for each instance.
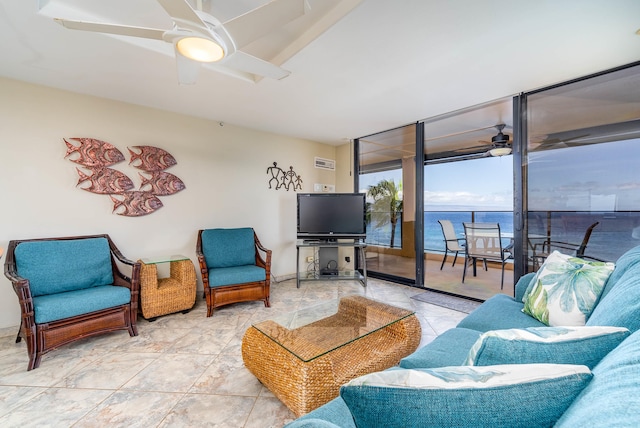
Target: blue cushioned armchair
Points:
(235, 267)
(69, 289)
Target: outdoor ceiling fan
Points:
(500, 144)
(198, 37)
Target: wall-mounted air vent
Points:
(329, 164)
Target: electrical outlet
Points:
(309, 259)
(347, 259)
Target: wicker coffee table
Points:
(304, 357)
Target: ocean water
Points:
(433, 239)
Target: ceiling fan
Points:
(500, 144)
(198, 37)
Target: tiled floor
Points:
(180, 371)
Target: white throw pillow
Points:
(565, 290)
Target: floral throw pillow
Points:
(565, 290)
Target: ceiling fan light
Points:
(200, 49)
(500, 151)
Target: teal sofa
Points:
(603, 391)
(69, 289)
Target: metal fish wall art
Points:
(151, 158)
(161, 183)
(93, 153)
(136, 203)
(96, 156)
(105, 181)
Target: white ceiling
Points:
(357, 66)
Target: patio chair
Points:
(483, 241)
(542, 250)
(235, 267)
(70, 289)
(451, 241)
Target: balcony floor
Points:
(484, 285)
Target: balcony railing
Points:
(433, 239)
(616, 232)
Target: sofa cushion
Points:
(236, 275)
(312, 423)
(522, 285)
(228, 247)
(58, 266)
(334, 412)
(497, 313)
(611, 399)
(621, 305)
(565, 289)
(629, 261)
(54, 307)
(560, 345)
(519, 395)
(448, 349)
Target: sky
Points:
(481, 184)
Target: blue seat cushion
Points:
(518, 395)
(611, 399)
(560, 345)
(621, 305)
(58, 266)
(54, 307)
(228, 247)
(498, 313)
(236, 275)
(451, 348)
(628, 261)
(334, 413)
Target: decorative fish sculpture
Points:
(151, 158)
(105, 181)
(93, 153)
(161, 183)
(136, 203)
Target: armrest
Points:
(266, 262)
(119, 278)
(522, 284)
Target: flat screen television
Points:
(327, 216)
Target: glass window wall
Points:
(582, 179)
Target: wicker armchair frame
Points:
(234, 293)
(46, 337)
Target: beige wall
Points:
(224, 169)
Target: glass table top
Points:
(163, 259)
(312, 332)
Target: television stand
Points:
(325, 264)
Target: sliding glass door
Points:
(387, 176)
(582, 187)
(558, 172)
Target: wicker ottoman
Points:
(162, 296)
(304, 359)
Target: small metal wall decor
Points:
(283, 179)
(96, 156)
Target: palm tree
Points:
(387, 204)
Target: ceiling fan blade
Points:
(187, 69)
(181, 10)
(122, 30)
(254, 24)
(250, 64)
